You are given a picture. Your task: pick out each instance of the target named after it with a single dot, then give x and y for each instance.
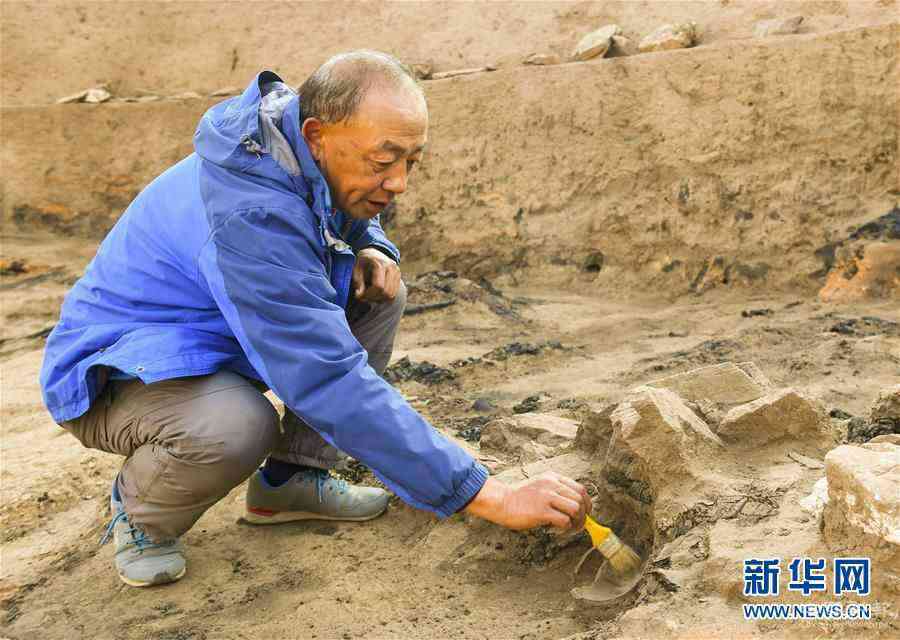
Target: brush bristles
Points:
(622, 558)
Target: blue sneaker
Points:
(140, 561)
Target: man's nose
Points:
(396, 181)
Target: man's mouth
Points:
(376, 203)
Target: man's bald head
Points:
(335, 90)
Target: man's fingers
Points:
(573, 485)
(378, 276)
(566, 506)
(393, 287)
(557, 519)
(359, 281)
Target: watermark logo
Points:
(851, 575)
(762, 579)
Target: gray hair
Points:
(335, 90)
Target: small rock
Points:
(422, 70)
(97, 95)
(540, 59)
(186, 95)
(621, 47)
(777, 27)
(225, 91)
(596, 43)
(483, 405)
(670, 36)
(753, 313)
(441, 75)
(474, 427)
(94, 96)
(529, 404)
(148, 99)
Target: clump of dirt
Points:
(424, 372)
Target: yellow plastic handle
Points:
(598, 532)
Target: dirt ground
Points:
(393, 577)
(607, 262)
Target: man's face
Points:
(367, 159)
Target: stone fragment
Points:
(97, 95)
(186, 95)
(815, 502)
(442, 75)
(225, 91)
(422, 70)
(531, 436)
(892, 438)
(94, 96)
(596, 43)
(862, 516)
(148, 99)
(75, 97)
(780, 415)
(670, 36)
(540, 59)
(621, 46)
(777, 27)
(723, 384)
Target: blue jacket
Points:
(234, 259)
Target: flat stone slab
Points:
(727, 383)
(573, 464)
(785, 413)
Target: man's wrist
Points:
(488, 502)
(381, 249)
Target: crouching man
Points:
(258, 263)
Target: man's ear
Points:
(312, 133)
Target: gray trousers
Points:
(189, 441)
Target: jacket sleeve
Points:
(373, 236)
(265, 272)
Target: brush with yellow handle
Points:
(621, 558)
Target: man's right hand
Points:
(548, 499)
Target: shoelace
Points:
(141, 542)
(321, 478)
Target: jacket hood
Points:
(258, 133)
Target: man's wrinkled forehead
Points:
(390, 123)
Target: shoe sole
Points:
(161, 578)
(263, 516)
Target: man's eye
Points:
(383, 166)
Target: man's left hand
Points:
(376, 278)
